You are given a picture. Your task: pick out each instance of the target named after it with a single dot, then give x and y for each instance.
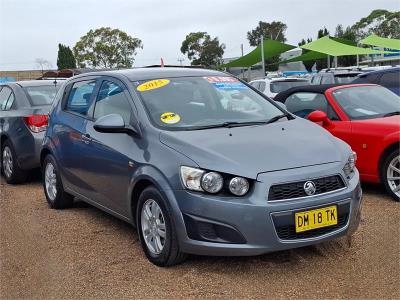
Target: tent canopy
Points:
(331, 47)
(374, 40)
(271, 48)
(309, 55)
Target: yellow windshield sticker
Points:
(152, 85)
(170, 118)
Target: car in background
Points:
(389, 78)
(160, 149)
(24, 108)
(366, 116)
(334, 76)
(272, 86)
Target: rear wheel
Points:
(53, 188)
(9, 165)
(156, 229)
(391, 174)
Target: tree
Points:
(308, 64)
(43, 64)
(348, 34)
(380, 22)
(201, 49)
(322, 63)
(274, 31)
(106, 48)
(65, 58)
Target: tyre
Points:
(53, 188)
(391, 174)
(156, 228)
(13, 174)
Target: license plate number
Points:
(316, 218)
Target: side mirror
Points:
(318, 116)
(281, 105)
(112, 123)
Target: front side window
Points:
(5, 93)
(302, 104)
(79, 97)
(42, 94)
(283, 85)
(367, 102)
(193, 102)
(112, 100)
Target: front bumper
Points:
(254, 219)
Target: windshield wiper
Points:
(393, 113)
(228, 125)
(278, 117)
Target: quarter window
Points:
(80, 96)
(302, 104)
(5, 93)
(112, 100)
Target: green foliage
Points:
(348, 34)
(106, 48)
(203, 50)
(65, 58)
(322, 63)
(274, 31)
(308, 64)
(380, 22)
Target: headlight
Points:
(212, 182)
(348, 168)
(238, 186)
(191, 178)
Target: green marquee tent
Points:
(271, 48)
(374, 40)
(309, 55)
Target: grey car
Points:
(160, 149)
(24, 106)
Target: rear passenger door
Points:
(69, 132)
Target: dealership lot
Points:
(85, 253)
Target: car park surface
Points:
(83, 253)
(191, 174)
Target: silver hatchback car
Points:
(162, 149)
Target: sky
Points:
(31, 29)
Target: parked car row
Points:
(197, 160)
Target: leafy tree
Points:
(106, 48)
(308, 64)
(65, 58)
(322, 63)
(274, 31)
(348, 36)
(380, 22)
(201, 49)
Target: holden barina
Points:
(196, 172)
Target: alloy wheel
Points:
(7, 162)
(393, 175)
(153, 226)
(50, 181)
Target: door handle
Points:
(86, 138)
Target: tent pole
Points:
(262, 55)
(329, 62)
(335, 60)
(358, 56)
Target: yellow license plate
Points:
(316, 218)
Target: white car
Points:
(272, 86)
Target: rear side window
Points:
(255, 84)
(112, 100)
(262, 86)
(41, 95)
(5, 94)
(80, 96)
(390, 79)
(326, 79)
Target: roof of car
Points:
(154, 73)
(396, 69)
(33, 82)
(316, 88)
(281, 79)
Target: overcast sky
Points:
(31, 29)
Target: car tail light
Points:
(37, 123)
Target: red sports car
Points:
(366, 116)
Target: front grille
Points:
(296, 189)
(288, 232)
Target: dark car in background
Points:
(24, 108)
(332, 76)
(389, 78)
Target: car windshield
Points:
(280, 86)
(367, 102)
(196, 102)
(42, 94)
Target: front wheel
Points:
(156, 229)
(391, 174)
